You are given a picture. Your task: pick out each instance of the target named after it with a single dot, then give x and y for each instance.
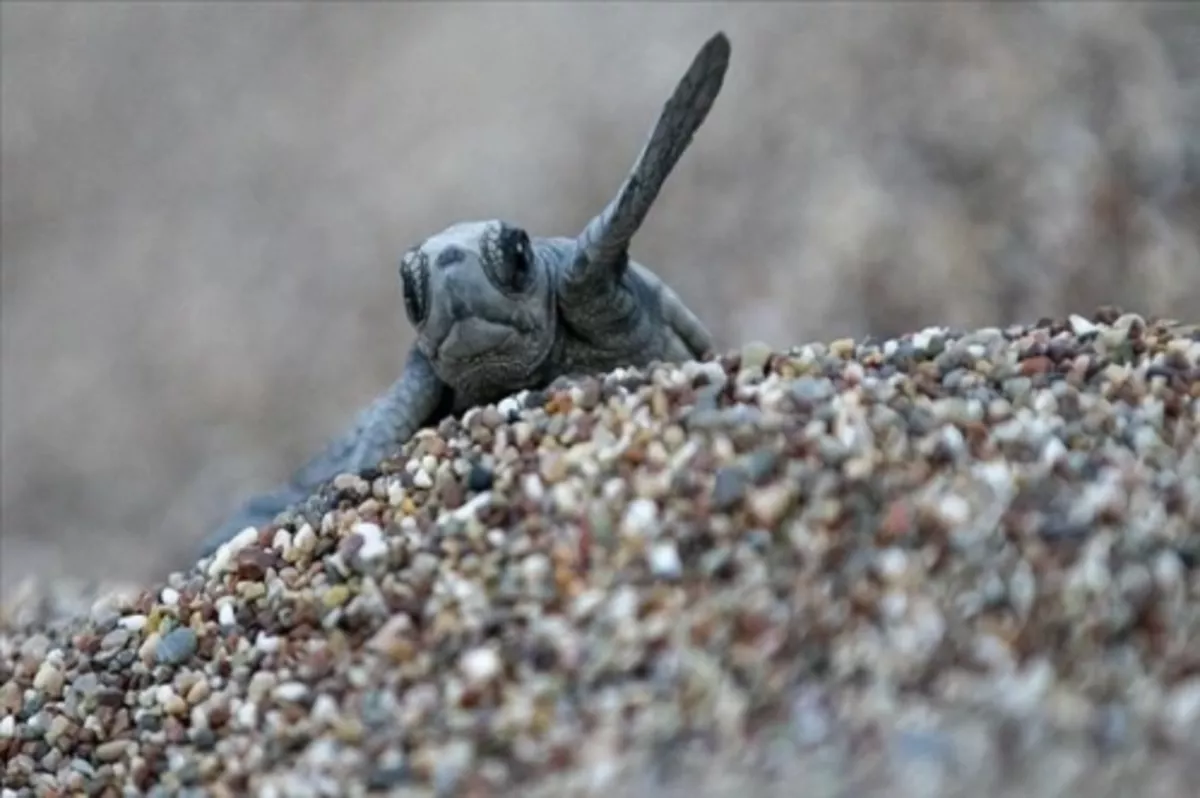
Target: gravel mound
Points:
(950, 563)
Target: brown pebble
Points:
(111, 751)
(252, 563)
(1036, 365)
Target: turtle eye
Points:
(414, 279)
(516, 255)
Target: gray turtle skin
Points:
(497, 311)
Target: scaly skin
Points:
(497, 311)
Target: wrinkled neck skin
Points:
(619, 324)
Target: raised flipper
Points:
(602, 247)
(418, 398)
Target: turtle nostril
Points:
(449, 256)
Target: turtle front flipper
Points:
(417, 399)
(601, 252)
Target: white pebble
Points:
(1081, 326)
(267, 644)
(622, 604)
(169, 596)
(480, 666)
(324, 709)
(261, 683)
(227, 615)
(374, 546)
(290, 692)
(134, 623)
(247, 715)
(306, 539)
(614, 490)
(532, 485)
(48, 679)
(1053, 451)
(954, 510)
(1182, 709)
(8, 727)
(471, 508)
(1169, 572)
(282, 540)
(170, 701)
(536, 568)
(422, 479)
(566, 497)
(641, 517)
(225, 554)
(891, 563)
(664, 560)
(508, 406)
(395, 493)
(893, 605)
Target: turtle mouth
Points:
(474, 341)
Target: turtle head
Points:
(479, 295)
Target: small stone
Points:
(147, 650)
(451, 765)
(114, 640)
(227, 615)
(133, 623)
(290, 692)
(267, 644)
(480, 666)
(729, 488)
(198, 692)
(260, 686)
(374, 546)
(510, 408)
(664, 560)
(35, 648)
(170, 701)
(336, 596)
(754, 358)
(479, 479)
(59, 726)
(768, 505)
(112, 750)
(176, 647)
(49, 680)
(1181, 709)
(1082, 327)
(640, 519)
(389, 771)
(760, 464)
(351, 483)
(282, 540)
(305, 540)
(422, 480)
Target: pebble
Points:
(373, 545)
(641, 518)
(948, 563)
(729, 488)
(176, 646)
(664, 560)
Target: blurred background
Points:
(204, 206)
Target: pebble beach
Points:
(951, 563)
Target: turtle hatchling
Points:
(497, 310)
